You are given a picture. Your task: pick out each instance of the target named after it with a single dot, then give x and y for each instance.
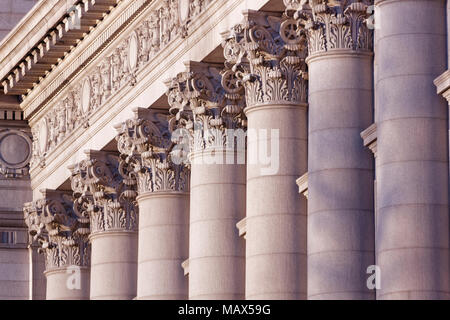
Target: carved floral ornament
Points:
(206, 107)
(267, 55)
(60, 233)
(119, 69)
(335, 24)
(144, 144)
(105, 193)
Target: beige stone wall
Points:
(11, 11)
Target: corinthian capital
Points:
(60, 233)
(206, 104)
(144, 145)
(336, 24)
(267, 54)
(105, 192)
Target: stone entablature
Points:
(55, 226)
(75, 24)
(144, 143)
(29, 31)
(267, 52)
(167, 20)
(206, 104)
(203, 37)
(105, 193)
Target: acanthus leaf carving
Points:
(105, 193)
(267, 54)
(206, 107)
(144, 143)
(61, 235)
(336, 24)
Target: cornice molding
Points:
(79, 19)
(29, 31)
(92, 46)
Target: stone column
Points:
(267, 55)
(203, 114)
(63, 240)
(163, 198)
(412, 151)
(107, 197)
(340, 169)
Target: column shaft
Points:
(340, 176)
(113, 265)
(276, 215)
(65, 284)
(412, 236)
(163, 245)
(216, 253)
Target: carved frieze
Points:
(113, 72)
(61, 235)
(144, 144)
(267, 55)
(206, 107)
(105, 192)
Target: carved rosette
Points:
(336, 24)
(105, 193)
(144, 144)
(267, 55)
(61, 235)
(118, 69)
(206, 107)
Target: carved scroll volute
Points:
(105, 193)
(144, 144)
(267, 55)
(205, 102)
(53, 224)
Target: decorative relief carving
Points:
(144, 144)
(162, 26)
(15, 153)
(206, 106)
(267, 55)
(336, 24)
(62, 236)
(105, 192)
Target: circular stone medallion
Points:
(86, 96)
(14, 149)
(43, 136)
(184, 9)
(133, 52)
